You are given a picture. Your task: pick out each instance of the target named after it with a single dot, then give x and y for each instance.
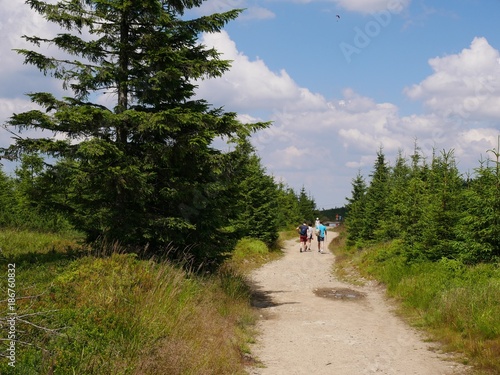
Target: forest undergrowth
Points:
(78, 313)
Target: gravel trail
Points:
(312, 323)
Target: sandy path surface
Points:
(345, 334)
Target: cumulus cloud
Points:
(250, 83)
(462, 101)
(465, 85)
(250, 12)
(346, 132)
(373, 6)
(256, 13)
(17, 20)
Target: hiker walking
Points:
(310, 233)
(302, 229)
(321, 235)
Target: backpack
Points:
(303, 230)
(317, 232)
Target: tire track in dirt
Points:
(352, 332)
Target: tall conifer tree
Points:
(355, 220)
(307, 206)
(141, 170)
(376, 196)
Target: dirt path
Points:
(351, 332)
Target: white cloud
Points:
(19, 19)
(7, 108)
(250, 84)
(373, 6)
(250, 12)
(218, 6)
(256, 13)
(472, 144)
(462, 98)
(345, 133)
(465, 85)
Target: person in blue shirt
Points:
(321, 230)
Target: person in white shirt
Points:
(309, 237)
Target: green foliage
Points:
(429, 207)
(7, 199)
(394, 220)
(30, 244)
(478, 229)
(331, 214)
(25, 200)
(248, 247)
(436, 248)
(288, 214)
(356, 210)
(376, 198)
(307, 206)
(257, 208)
(120, 314)
(144, 171)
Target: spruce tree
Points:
(355, 210)
(257, 208)
(417, 200)
(307, 206)
(392, 224)
(376, 197)
(288, 207)
(141, 170)
(7, 200)
(478, 230)
(442, 210)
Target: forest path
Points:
(312, 323)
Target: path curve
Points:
(301, 333)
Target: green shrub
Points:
(123, 315)
(248, 247)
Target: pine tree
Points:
(478, 230)
(392, 224)
(376, 197)
(7, 200)
(417, 200)
(257, 202)
(141, 171)
(442, 212)
(288, 207)
(355, 216)
(307, 206)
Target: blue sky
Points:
(385, 73)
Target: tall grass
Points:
(123, 315)
(457, 304)
(21, 242)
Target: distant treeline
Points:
(333, 214)
(252, 205)
(432, 209)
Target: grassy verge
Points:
(80, 314)
(457, 305)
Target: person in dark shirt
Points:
(302, 229)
